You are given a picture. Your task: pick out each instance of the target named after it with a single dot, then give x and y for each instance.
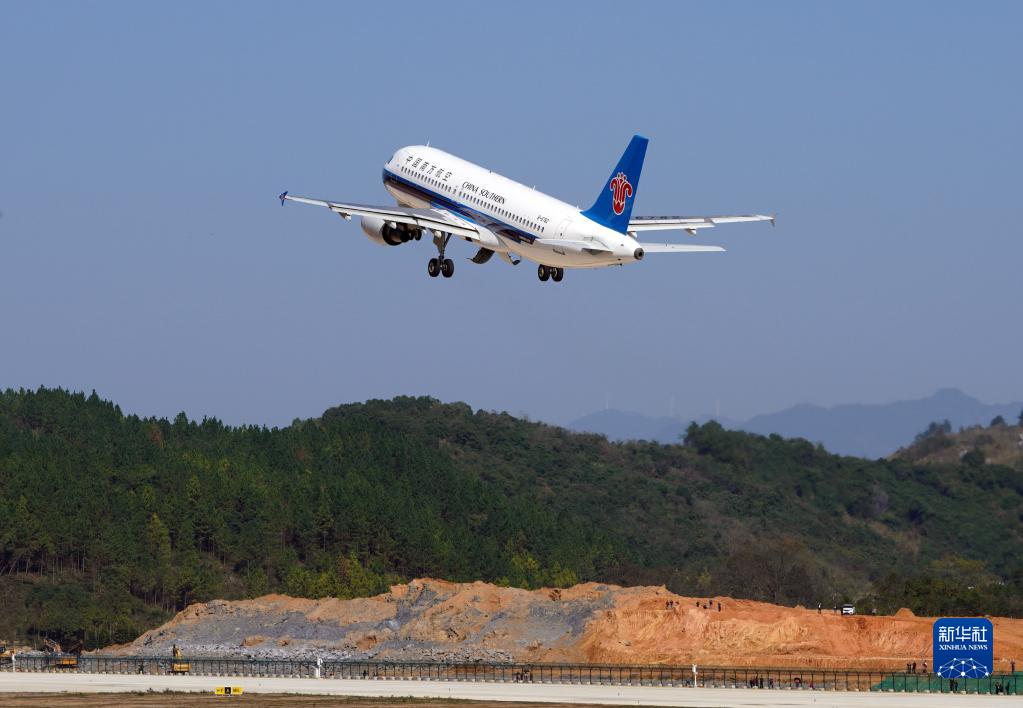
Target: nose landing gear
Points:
(554, 273)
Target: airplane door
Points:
(563, 228)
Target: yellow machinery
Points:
(178, 666)
(60, 660)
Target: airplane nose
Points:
(638, 254)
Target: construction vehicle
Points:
(58, 659)
(179, 666)
(5, 652)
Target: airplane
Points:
(444, 196)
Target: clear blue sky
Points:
(144, 254)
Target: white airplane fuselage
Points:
(511, 217)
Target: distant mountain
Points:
(863, 430)
(623, 425)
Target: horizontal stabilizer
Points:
(679, 248)
(690, 223)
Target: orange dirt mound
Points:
(437, 620)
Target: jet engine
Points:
(387, 233)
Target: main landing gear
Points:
(544, 272)
(440, 265)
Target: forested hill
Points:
(108, 523)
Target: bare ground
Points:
(589, 623)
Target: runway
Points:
(547, 693)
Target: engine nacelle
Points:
(379, 231)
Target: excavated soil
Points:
(437, 620)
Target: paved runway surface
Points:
(551, 693)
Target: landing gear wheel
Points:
(433, 267)
(447, 267)
(557, 274)
(543, 273)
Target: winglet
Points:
(773, 217)
(283, 196)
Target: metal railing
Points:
(597, 674)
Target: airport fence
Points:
(597, 674)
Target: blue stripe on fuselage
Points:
(463, 210)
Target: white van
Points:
(848, 609)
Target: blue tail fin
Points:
(614, 204)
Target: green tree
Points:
(159, 548)
(974, 458)
(935, 430)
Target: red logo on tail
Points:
(620, 191)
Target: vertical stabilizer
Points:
(614, 203)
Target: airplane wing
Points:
(678, 248)
(689, 223)
(430, 219)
